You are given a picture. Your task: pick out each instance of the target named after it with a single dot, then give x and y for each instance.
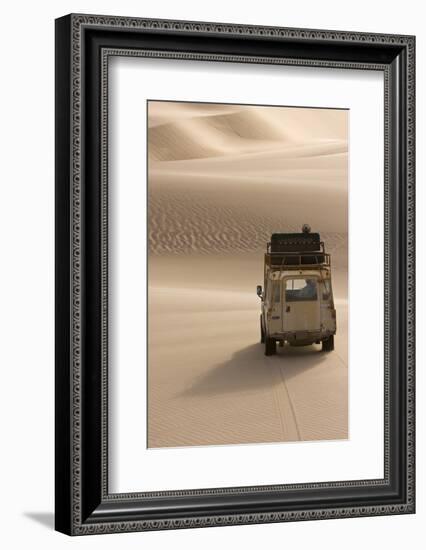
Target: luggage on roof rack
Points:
(294, 242)
(296, 249)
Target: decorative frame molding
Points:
(83, 504)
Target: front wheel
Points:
(328, 345)
(270, 346)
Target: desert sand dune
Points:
(301, 124)
(164, 112)
(222, 178)
(277, 156)
(214, 135)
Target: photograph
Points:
(234, 272)
(247, 229)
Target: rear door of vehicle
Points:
(301, 304)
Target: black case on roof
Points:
(295, 242)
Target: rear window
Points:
(301, 290)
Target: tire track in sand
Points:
(283, 403)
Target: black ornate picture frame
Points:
(84, 44)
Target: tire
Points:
(262, 332)
(328, 345)
(270, 346)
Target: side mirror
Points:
(259, 291)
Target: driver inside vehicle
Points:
(309, 291)
(296, 292)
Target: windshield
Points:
(301, 290)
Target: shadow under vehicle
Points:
(297, 303)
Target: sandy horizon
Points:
(221, 179)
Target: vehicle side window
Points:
(268, 288)
(301, 290)
(326, 289)
(276, 292)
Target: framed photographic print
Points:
(234, 274)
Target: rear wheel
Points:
(328, 345)
(270, 346)
(262, 332)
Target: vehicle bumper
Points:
(301, 338)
